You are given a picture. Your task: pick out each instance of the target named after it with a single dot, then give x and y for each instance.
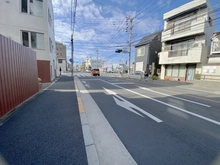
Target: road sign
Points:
(71, 60)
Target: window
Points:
(176, 70)
(140, 52)
(25, 39)
(169, 70)
(60, 61)
(36, 7)
(182, 71)
(24, 7)
(37, 40)
(51, 45)
(183, 45)
(49, 17)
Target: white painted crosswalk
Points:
(84, 75)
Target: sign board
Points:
(139, 66)
(209, 69)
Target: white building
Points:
(94, 64)
(31, 23)
(61, 57)
(186, 40)
(211, 71)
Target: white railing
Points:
(177, 53)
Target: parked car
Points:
(95, 72)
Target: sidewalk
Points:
(45, 130)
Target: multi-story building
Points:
(186, 40)
(147, 53)
(61, 57)
(31, 23)
(211, 71)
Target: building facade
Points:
(61, 57)
(186, 40)
(146, 54)
(211, 71)
(31, 23)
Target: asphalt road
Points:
(160, 123)
(45, 130)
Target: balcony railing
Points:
(177, 53)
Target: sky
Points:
(102, 26)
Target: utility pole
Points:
(97, 51)
(73, 22)
(129, 43)
(72, 54)
(122, 62)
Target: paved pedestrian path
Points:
(45, 130)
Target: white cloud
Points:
(97, 27)
(163, 2)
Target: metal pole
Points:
(129, 46)
(72, 54)
(97, 51)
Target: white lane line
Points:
(129, 106)
(123, 83)
(50, 85)
(205, 105)
(217, 93)
(169, 105)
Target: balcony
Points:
(193, 55)
(194, 25)
(177, 53)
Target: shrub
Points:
(154, 77)
(39, 80)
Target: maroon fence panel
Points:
(18, 74)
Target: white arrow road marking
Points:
(205, 105)
(169, 105)
(87, 85)
(127, 105)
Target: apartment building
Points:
(61, 57)
(211, 71)
(186, 40)
(31, 23)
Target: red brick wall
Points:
(18, 74)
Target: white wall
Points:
(62, 65)
(12, 21)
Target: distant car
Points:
(95, 72)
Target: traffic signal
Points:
(118, 51)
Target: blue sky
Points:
(101, 25)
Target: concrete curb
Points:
(91, 151)
(10, 114)
(107, 145)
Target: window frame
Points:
(29, 39)
(140, 49)
(28, 9)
